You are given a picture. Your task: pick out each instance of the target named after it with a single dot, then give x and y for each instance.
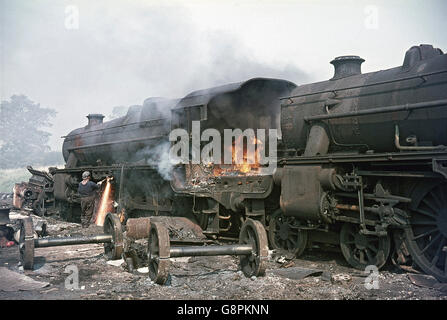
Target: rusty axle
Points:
(236, 249)
(70, 241)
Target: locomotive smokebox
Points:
(95, 119)
(346, 66)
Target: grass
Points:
(9, 177)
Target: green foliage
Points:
(22, 140)
(9, 177)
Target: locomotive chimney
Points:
(94, 119)
(346, 66)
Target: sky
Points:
(80, 56)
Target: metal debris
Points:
(297, 273)
(341, 277)
(427, 281)
(115, 263)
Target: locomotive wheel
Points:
(26, 243)
(426, 237)
(112, 226)
(362, 250)
(284, 234)
(158, 253)
(253, 232)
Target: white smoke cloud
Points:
(158, 157)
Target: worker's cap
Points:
(85, 175)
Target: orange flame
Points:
(104, 205)
(247, 153)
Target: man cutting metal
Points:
(87, 191)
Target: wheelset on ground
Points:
(252, 250)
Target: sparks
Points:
(104, 205)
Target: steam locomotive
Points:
(362, 162)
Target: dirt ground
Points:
(201, 277)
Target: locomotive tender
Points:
(362, 162)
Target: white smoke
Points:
(158, 157)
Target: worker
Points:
(87, 191)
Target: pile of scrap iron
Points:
(36, 195)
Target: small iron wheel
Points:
(362, 250)
(426, 237)
(253, 232)
(284, 234)
(26, 244)
(158, 253)
(112, 226)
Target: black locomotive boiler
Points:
(128, 149)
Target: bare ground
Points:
(201, 277)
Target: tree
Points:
(22, 140)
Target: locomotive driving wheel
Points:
(284, 234)
(426, 237)
(362, 250)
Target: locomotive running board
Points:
(436, 156)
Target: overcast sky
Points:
(121, 52)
